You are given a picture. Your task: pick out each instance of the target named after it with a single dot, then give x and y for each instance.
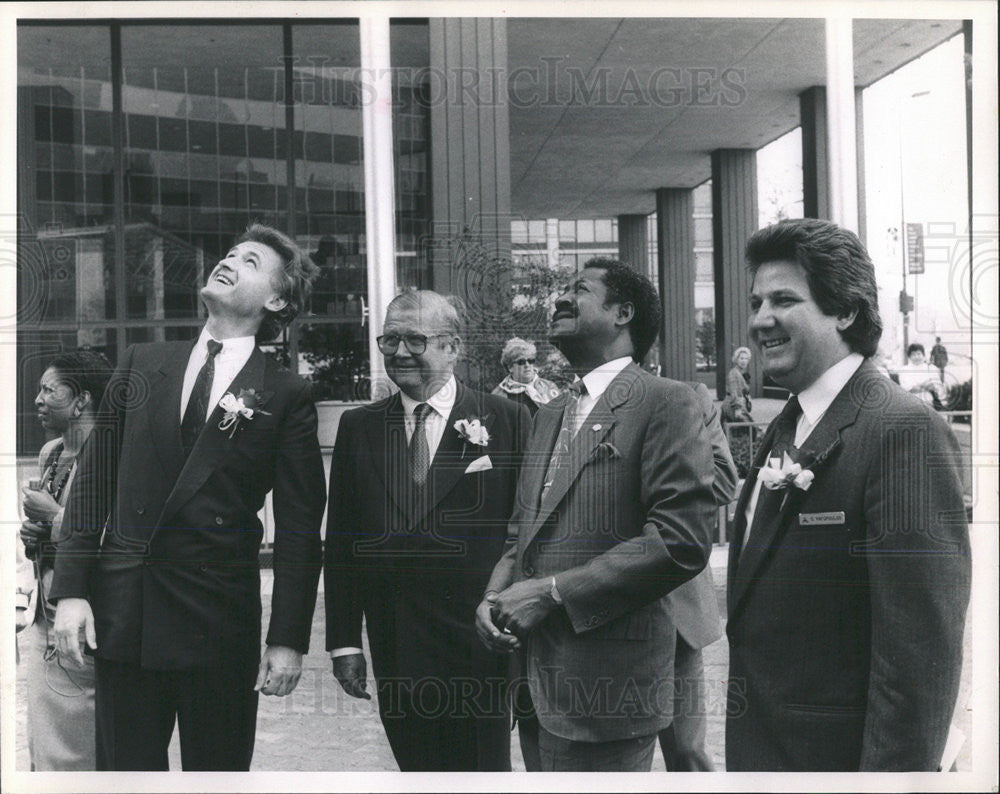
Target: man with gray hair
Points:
(421, 488)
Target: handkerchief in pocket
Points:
(480, 464)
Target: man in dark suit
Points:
(695, 612)
(614, 510)
(850, 567)
(192, 438)
(421, 488)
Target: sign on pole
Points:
(915, 247)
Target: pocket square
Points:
(480, 464)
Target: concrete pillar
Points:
(470, 147)
(815, 163)
(632, 247)
(734, 219)
(841, 128)
(675, 268)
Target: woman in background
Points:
(60, 695)
(737, 406)
(523, 384)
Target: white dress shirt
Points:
(597, 382)
(228, 362)
(815, 400)
(441, 403)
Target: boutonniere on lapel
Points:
(799, 470)
(239, 408)
(472, 431)
(779, 475)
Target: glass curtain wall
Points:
(144, 149)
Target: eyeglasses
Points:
(522, 362)
(415, 343)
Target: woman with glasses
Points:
(60, 695)
(523, 384)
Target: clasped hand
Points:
(505, 619)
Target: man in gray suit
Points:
(614, 510)
(695, 611)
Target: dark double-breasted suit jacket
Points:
(415, 568)
(626, 521)
(166, 548)
(846, 613)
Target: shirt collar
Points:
(816, 398)
(236, 346)
(442, 401)
(599, 378)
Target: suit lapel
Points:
(592, 432)
(386, 434)
(814, 453)
(163, 409)
(213, 444)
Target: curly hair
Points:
(293, 282)
(625, 285)
(516, 348)
(839, 272)
(84, 371)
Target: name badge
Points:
(811, 519)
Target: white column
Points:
(380, 203)
(841, 123)
(552, 241)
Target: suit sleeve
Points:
(919, 567)
(91, 494)
(299, 498)
(342, 578)
(503, 573)
(726, 475)
(676, 477)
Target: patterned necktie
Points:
(560, 451)
(769, 499)
(420, 455)
(197, 407)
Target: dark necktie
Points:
(769, 499)
(420, 455)
(197, 407)
(560, 451)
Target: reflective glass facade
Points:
(144, 149)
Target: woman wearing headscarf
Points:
(523, 383)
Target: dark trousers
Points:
(683, 742)
(215, 709)
(434, 728)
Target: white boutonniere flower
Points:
(473, 432)
(777, 475)
(239, 408)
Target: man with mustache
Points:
(614, 510)
(849, 571)
(159, 573)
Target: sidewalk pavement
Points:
(319, 728)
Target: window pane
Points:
(203, 126)
(602, 231)
(334, 356)
(585, 231)
(410, 58)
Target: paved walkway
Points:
(319, 728)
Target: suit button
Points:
(447, 595)
(203, 567)
(146, 563)
(529, 571)
(140, 510)
(218, 520)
